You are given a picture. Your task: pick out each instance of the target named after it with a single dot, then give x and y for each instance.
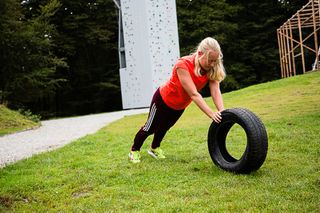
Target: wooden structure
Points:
(298, 36)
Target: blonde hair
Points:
(205, 46)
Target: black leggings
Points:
(160, 119)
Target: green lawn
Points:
(93, 173)
(12, 121)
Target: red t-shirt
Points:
(172, 92)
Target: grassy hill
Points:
(93, 173)
(12, 121)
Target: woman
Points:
(190, 74)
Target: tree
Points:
(29, 68)
(254, 53)
(88, 39)
(68, 57)
(9, 25)
(203, 18)
(246, 31)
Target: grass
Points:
(12, 121)
(93, 173)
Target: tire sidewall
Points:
(255, 133)
(218, 142)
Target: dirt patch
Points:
(6, 201)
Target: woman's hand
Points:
(217, 117)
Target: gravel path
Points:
(53, 134)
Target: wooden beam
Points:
(301, 46)
(288, 52)
(292, 52)
(280, 52)
(315, 33)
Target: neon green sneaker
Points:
(156, 153)
(134, 156)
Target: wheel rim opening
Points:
(236, 141)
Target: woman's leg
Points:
(160, 119)
(145, 130)
(165, 123)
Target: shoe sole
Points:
(130, 159)
(152, 154)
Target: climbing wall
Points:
(151, 48)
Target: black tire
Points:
(256, 144)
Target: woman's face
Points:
(208, 60)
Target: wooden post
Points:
(318, 67)
(292, 51)
(315, 34)
(280, 52)
(285, 46)
(288, 51)
(301, 44)
(284, 55)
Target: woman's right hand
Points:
(216, 117)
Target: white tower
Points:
(148, 48)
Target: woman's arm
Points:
(190, 88)
(216, 95)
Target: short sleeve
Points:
(181, 64)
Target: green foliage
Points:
(29, 115)
(93, 174)
(245, 30)
(28, 74)
(252, 56)
(88, 38)
(13, 121)
(200, 19)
